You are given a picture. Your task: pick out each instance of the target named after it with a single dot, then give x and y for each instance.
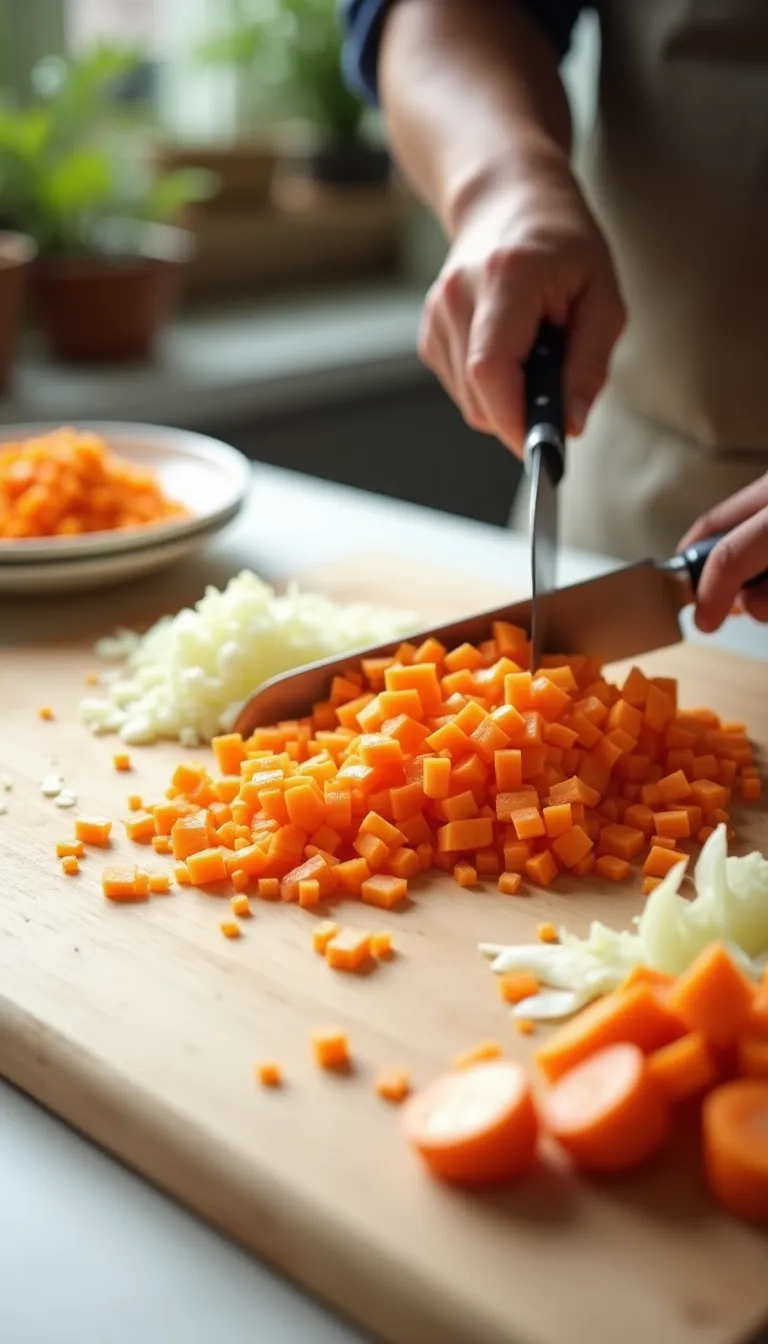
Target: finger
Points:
(503, 331)
(456, 312)
(732, 511)
(739, 557)
(596, 321)
(433, 346)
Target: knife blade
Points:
(544, 457)
(615, 616)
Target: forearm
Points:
(472, 98)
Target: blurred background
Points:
(218, 241)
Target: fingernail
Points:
(579, 411)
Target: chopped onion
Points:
(730, 906)
(189, 675)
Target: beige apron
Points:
(676, 170)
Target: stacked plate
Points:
(209, 478)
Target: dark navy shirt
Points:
(362, 20)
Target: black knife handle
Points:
(544, 418)
(696, 556)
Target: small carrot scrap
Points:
(735, 1134)
(135, 802)
(70, 848)
(608, 1112)
(181, 874)
(268, 1073)
(348, 950)
(465, 874)
(392, 1085)
(483, 1050)
(162, 844)
(122, 761)
(93, 831)
(230, 928)
(547, 933)
(381, 946)
(514, 986)
(240, 906)
(331, 1048)
(509, 884)
(46, 713)
(525, 1026)
(476, 1126)
(70, 865)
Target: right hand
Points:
(523, 251)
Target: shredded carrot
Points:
(392, 1085)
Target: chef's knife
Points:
(544, 455)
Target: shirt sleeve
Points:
(362, 23)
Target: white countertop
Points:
(90, 1254)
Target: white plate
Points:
(209, 478)
(61, 576)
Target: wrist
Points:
(514, 172)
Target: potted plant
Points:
(288, 53)
(72, 177)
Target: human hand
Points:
(737, 558)
(524, 250)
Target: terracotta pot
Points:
(96, 310)
(17, 253)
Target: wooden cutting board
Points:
(140, 1026)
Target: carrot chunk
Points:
(608, 1112)
(637, 1016)
(475, 1126)
(392, 1085)
(713, 996)
(268, 1073)
(660, 861)
(381, 946)
(465, 874)
(331, 1048)
(93, 831)
(735, 1133)
(140, 827)
(348, 950)
(70, 849)
(615, 869)
(384, 890)
(547, 933)
(509, 883)
(121, 885)
(70, 865)
(684, 1067)
(230, 928)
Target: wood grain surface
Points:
(140, 1026)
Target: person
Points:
(654, 258)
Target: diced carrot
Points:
(709, 795)
(666, 842)
(585, 866)
(713, 996)
(392, 1085)
(373, 850)
(384, 890)
(268, 1073)
(514, 986)
(475, 1126)
(465, 874)
(572, 846)
(528, 823)
(646, 975)
(381, 946)
(612, 867)
(753, 1056)
(348, 950)
(70, 849)
(508, 767)
(159, 884)
(547, 933)
(672, 825)
(309, 893)
(660, 861)
(608, 1112)
(268, 888)
(637, 1015)
(46, 713)
(121, 885)
(735, 1135)
(330, 1046)
(140, 827)
(751, 789)
(70, 865)
(541, 868)
(437, 776)
(122, 761)
(625, 842)
(181, 874)
(206, 866)
(190, 835)
(93, 831)
(472, 833)
(509, 883)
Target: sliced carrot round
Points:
(735, 1129)
(475, 1126)
(608, 1112)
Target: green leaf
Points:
(175, 190)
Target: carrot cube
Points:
(751, 789)
(615, 869)
(465, 874)
(392, 1085)
(120, 885)
(348, 950)
(674, 825)
(473, 833)
(190, 835)
(557, 819)
(713, 996)
(371, 848)
(641, 818)
(205, 866)
(528, 823)
(309, 893)
(514, 986)
(322, 935)
(437, 776)
(93, 831)
(625, 842)
(268, 888)
(660, 861)
(70, 865)
(541, 868)
(384, 890)
(572, 846)
(141, 827)
(373, 824)
(683, 1068)
(331, 1048)
(547, 933)
(508, 768)
(70, 849)
(381, 946)
(674, 787)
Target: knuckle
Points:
(452, 289)
(482, 366)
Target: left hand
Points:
(737, 558)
